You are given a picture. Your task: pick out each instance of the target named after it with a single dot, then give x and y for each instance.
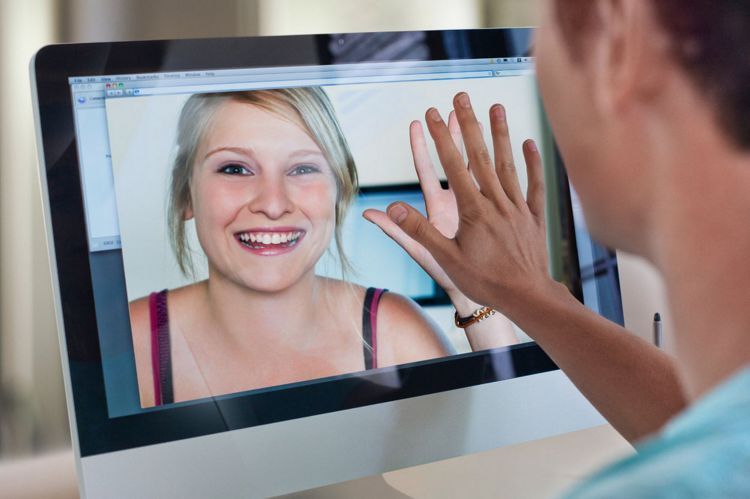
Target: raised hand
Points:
(498, 254)
(442, 211)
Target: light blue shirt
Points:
(703, 453)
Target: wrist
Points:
(547, 301)
(463, 305)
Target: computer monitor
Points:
(113, 120)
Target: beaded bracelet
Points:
(479, 315)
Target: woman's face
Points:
(263, 198)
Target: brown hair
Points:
(710, 40)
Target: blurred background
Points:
(33, 416)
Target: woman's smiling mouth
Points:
(270, 242)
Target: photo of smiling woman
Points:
(267, 177)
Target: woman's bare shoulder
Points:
(140, 323)
(398, 310)
(139, 309)
(406, 333)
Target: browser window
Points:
(128, 130)
(90, 94)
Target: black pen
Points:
(657, 330)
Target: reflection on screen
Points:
(379, 261)
(372, 116)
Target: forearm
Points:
(633, 384)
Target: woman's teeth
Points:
(257, 239)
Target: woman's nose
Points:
(271, 199)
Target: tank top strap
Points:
(161, 353)
(370, 326)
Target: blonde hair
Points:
(308, 105)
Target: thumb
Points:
(416, 226)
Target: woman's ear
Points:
(631, 60)
(187, 214)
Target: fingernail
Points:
(464, 101)
(397, 213)
(498, 112)
(434, 115)
(531, 145)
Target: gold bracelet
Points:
(479, 315)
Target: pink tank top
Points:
(161, 353)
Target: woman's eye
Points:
(304, 170)
(234, 170)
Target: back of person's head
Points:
(642, 95)
(710, 39)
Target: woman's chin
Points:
(263, 278)
(273, 283)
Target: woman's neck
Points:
(702, 247)
(246, 317)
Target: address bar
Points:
(311, 82)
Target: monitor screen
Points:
(215, 269)
(218, 151)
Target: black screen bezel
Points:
(97, 432)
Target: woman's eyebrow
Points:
(306, 152)
(247, 151)
(239, 150)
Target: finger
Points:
(535, 173)
(459, 178)
(417, 227)
(428, 179)
(455, 131)
(480, 162)
(504, 164)
(392, 230)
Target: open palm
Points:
(442, 210)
